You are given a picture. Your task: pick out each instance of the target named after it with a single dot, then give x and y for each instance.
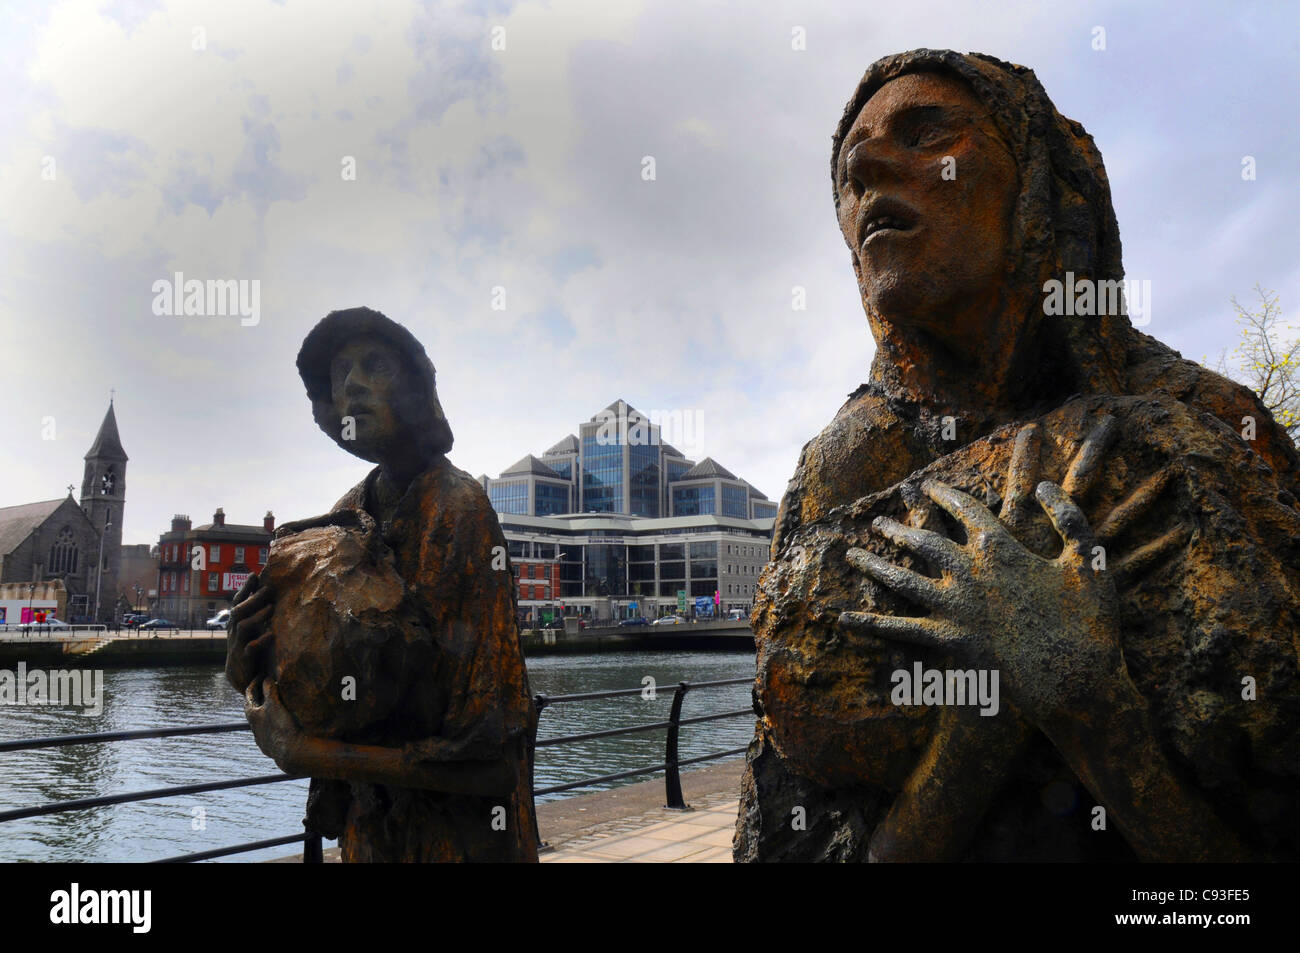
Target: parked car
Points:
(158, 624)
(218, 621)
(135, 618)
(46, 626)
(669, 620)
(639, 620)
(554, 624)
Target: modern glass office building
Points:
(636, 527)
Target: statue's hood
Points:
(1064, 220)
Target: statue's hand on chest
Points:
(1047, 626)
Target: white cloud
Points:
(522, 168)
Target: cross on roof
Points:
(69, 489)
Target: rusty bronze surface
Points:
(378, 650)
(953, 512)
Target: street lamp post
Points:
(31, 592)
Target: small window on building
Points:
(214, 554)
(261, 555)
(185, 582)
(212, 582)
(239, 554)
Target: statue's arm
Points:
(278, 735)
(321, 757)
(1113, 750)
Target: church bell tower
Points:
(103, 498)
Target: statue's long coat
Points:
(444, 536)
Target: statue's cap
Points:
(335, 330)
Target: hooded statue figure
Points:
(378, 650)
(1039, 570)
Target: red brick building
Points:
(539, 588)
(201, 568)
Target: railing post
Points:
(672, 777)
(312, 846)
(540, 701)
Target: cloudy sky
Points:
(141, 139)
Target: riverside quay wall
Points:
(196, 648)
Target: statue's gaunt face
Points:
(927, 193)
(367, 378)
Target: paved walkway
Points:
(629, 824)
(701, 835)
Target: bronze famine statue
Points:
(1035, 591)
(378, 652)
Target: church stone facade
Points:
(61, 539)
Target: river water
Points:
(198, 695)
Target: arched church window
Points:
(63, 554)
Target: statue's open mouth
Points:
(886, 216)
(876, 226)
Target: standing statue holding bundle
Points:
(1035, 591)
(378, 651)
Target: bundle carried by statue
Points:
(348, 647)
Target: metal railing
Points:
(75, 633)
(312, 842)
(46, 630)
(672, 762)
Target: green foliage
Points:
(1266, 362)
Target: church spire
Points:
(107, 445)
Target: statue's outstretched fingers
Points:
(919, 508)
(254, 633)
(1022, 476)
(1086, 465)
(902, 581)
(926, 632)
(1132, 507)
(969, 511)
(1142, 559)
(261, 597)
(938, 550)
(1067, 519)
(250, 586)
